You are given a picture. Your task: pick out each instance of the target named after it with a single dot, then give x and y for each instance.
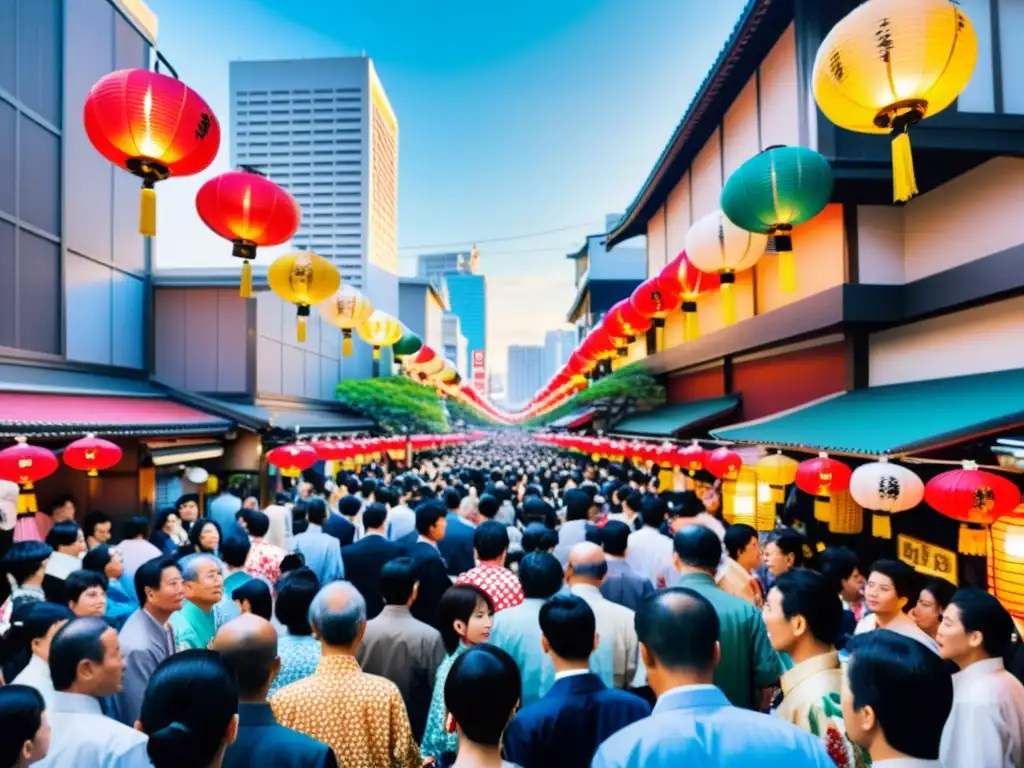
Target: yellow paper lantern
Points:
(380, 330)
(1006, 562)
(717, 246)
(846, 515)
(777, 471)
(890, 64)
(304, 279)
(745, 502)
(347, 309)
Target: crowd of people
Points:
(496, 604)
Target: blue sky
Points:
(514, 118)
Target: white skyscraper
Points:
(558, 346)
(324, 130)
(524, 373)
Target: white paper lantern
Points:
(885, 489)
(716, 245)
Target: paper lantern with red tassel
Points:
(92, 455)
(655, 299)
(26, 465)
(152, 126)
(692, 284)
(975, 498)
(624, 324)
(292, 459)
(821, 477)
(250, 210)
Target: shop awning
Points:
(894, 419)
(574, 420)
(668, 420)
(289, 418)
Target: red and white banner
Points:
(479, 371)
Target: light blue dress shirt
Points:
(695, 726)
(300, 655)
(322, 553)
(83, 736)
(222, 512)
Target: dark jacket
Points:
(261, 741)
(340, 528)
(433, 580)
(457, 546)
(564, 728)
(363, 562)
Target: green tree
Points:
(397, 404)
(617, 394)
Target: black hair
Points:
(59, 502)
(161, 518)
(135, 527)
(459, 603)
(30, 621)
(635, 501)
(190, 701)
(577, 504)
(316, 510)
(185, 498)
(76, 641)
(904, 579)
(615, 537)
(837, 564)
(791, 543)
(98, 558)
(257, 592)
(63, 534)
(654, 512)
(150, 574)
(234, 549)
(21, 712)
(427, 515)
(737, 538)
(489, 506)
(982, 612)
(386, 495)
(374, 515)
(481, 692)
(941, 590)
(698, 547)
(540, 575)
(25, 558)
(292, 562)
(196, 532)
(350, 505)
(452, 499)
(281, 498)
(92, 520)
(397, 579)
(809, 594)
(258, 523)
(538, 537)
(687, 504)
(352, 484)
(568, 623)
(679, 627)
(367, 488)
(490, 539)
(908, 687)
(295, 593)
(78, 582)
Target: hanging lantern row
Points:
(293, 459)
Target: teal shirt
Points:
(193, 628)
(436, 740)
(748, 660)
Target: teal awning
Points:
(667, 420)
(894, 419)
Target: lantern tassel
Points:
(147, 211)
(245, 289)
(95, 485)
(778, 494)
(881, 525)
(27, 501)
(691, 323)
(301, 329)
(787, 262)
(904, 181)
(376, 353)
(346, 344)
(823, 508)
(728, 299)
(659, 337)
(973, 541)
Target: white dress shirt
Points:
(36, 675)
(651, 553)
(986, 727)
(905, 628)
(616, 635)
(571, 673)
(61, 565)
(83, 736)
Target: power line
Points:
(564, 249)
(524, 236)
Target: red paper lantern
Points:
(91, 455)
(26, 465)
(821, 477)
(692, 458)
(692, 283)
(975, 498)
(625, 323)
(152, 126)
(292, 459)
(250, 210)
(724, 464)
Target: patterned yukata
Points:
(436, 740)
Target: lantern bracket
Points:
(161, 59)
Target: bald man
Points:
(617, 658)
(249, 643)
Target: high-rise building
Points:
(435, 266)
(455, 344)
(558, 346)
(467, 294)
(324, 130)
(524, 373)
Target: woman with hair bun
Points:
(24, 730)
(190, 711)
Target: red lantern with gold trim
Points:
(692, 458)
(152, 126)
(975, 498)
(91, 455)
(250, 210)
(692, 283)
(655, 299)
(822, 477)
(724, 464)
(624, 324)
(292, 459)
(26, 465)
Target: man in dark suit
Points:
(365, 558)
(249, 643)
(564, 728)
(339, 526)
(430, 568)
(457, 545)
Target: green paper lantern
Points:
(775, 191)
(409, 344)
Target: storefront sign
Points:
(479, 371)
(927, 558)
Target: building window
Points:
(995, 86)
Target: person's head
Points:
(249, 644)
(975, 627)
(398, 584)
(802, 611)
(96, 528)
(927, 612)
(254, 597)
(635, 502)
(452, 500)
(234, 549)
(159, 586)
(167, 521)
(66, 537)
(540, 575)
(490, 542)
(86, 593)
(577, 505)
(257, 523)
(85, 658)
(742, 544)
(104, 559)
(678, 632)
(350, 505)
(190, 710)
(367, 488)
(615, 538)
(316, 510)
(35, 624)
(696, 549)
(431, 520)
(466, 614)
(188, 507)
(204, 581)
(891, 588)
(488, 506)
(568, 628)
(481, 693)
(539, 538)
(587, 564)
(841, 568)
(784, 553)
(295, 593)
(375, 517)
(136, 527)
(25, 737)
(205, 536)
(896, 693)
(338, 616)
(654, 512)
(62, 509)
